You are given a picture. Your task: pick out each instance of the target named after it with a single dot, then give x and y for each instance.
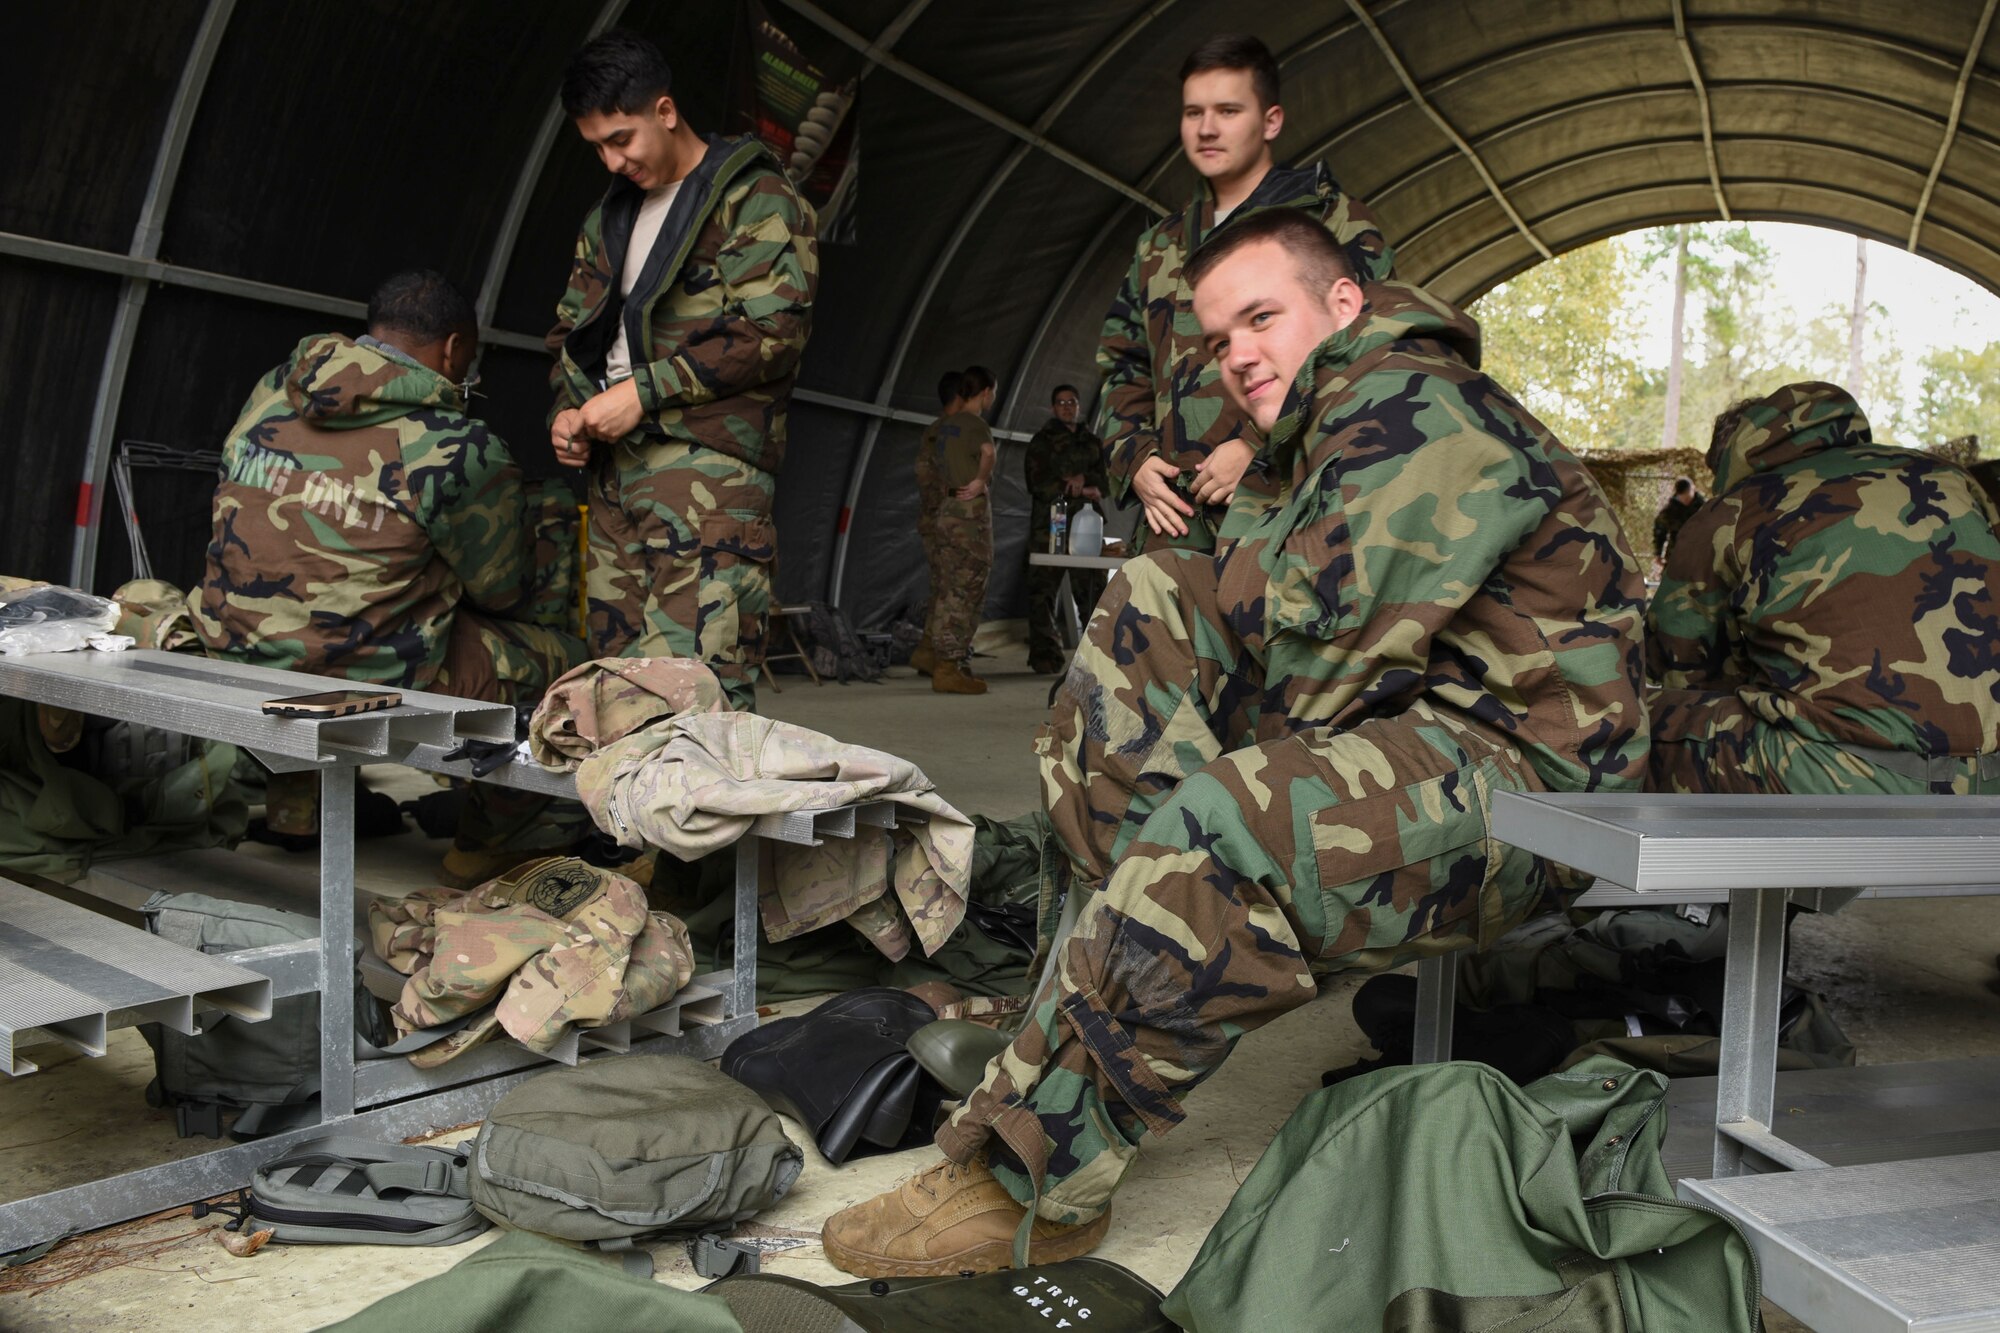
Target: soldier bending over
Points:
(1829, 623)
(367, 529)
(1275, 763)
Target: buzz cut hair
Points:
(619, 71)
(421, 303)
(1319, 259)
(1062, 389)
(951, 387)
(1237, 50)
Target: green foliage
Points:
(1567, 337)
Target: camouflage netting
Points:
(1638, 483)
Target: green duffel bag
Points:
(1444, 1199)
(628, 1147)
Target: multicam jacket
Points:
(550, 944)
(357, 506)
(1847, 590)
(1059, 451)
(698, 781)
(721, 311)
(1162, 395)
(1427, 538)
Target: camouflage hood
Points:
(338, 383)
(1398, 317)
(1797, 420)
(1315, 190)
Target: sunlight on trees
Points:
(1569, 338)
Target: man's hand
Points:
(1166, 512)
(972, 490)
(1218, 474)
(572, 446)
(1073, 484)
(612, 414)
(1090, 493)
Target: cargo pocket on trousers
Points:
(1405, 864)
(733, 594)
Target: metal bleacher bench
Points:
(68, 974)
(1872, 1205)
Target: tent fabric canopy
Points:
(188, 187)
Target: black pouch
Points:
(844, 1071)
(1092, 1294)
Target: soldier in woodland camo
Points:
(1174, 442)
(1830, 621)
(366, 528)
(676, 345)
(1277, 762)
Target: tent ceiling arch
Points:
(188, 187)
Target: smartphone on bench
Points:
(333, 703)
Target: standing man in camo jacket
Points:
(676, 347)
(1828, 623)
(1173, 442)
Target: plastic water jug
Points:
(1086, 532)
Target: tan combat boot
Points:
(951, 678)
(922, 658)
(950, 1219)
(464, 868)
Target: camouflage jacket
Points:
(1431, 540)
(1162, 395)
(697, 782)
(721, 312)
(552, 943)
(607, 700)
(1059, 451)
(357, 507)
(1791, 585)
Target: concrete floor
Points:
(1908, 981)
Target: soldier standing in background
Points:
(1064, 466)
(1777, 627)
(677, 344)
(1673, 516)
(962, 531)
(1276, 763)
(1172, 440)
(930, 497)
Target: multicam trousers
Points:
(961, 560)
(682, 551)
(1714, 742)
(1232, 855)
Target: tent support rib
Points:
(1437, 118)
(1701, 99)
(1972, 51)
(939, 88)
(532, 167)
(132, 300)
(858, 473)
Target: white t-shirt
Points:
(645, 231)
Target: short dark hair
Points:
(975, 380)
(1683, 484)
(1062, 389)
(1237, 50)
(422, 303)
(619, 71)
(1726, 423)
(951, 386)
(1319, 257)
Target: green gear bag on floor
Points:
(1443, 1199)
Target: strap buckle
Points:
(715, 1257)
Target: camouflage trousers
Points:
(682, 552)
(1714, 742)
(1231, 856)
(930, 496)
(961, 561)
(1045, 637)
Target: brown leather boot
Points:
(950, 1219)
(951, 678)
(922, 658)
